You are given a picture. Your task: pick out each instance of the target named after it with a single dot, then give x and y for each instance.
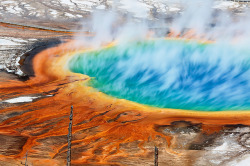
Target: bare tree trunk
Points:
(69, 137)
(26, 159)
(156, 156)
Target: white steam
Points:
(136, 19)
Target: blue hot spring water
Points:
(171, 74)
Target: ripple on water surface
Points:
(171, 74)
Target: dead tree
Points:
(156, 156)
(70, 137)
(26, 159)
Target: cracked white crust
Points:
(10, 51)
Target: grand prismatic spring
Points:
(186, 94)
(192, 76)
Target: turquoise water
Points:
(171, 74)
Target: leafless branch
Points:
(156, 156)
(70, 137)
(26, 159)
